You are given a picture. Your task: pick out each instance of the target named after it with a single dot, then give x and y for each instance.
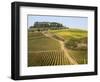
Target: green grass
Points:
(70, 33)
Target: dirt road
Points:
(71, 60)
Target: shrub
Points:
(76, 43)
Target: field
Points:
(72, 38)
(37, 42)
(48, 58)
(57, 47)
(79, 56)
(70, 33)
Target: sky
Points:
(68, 21)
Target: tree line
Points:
(40, 26)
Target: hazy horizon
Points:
(67, 21)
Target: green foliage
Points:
(76, 43)
(72, 43)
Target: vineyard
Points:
(47, 58)
(46, 51)
(76, 42)
(79, 56)
(37, 42)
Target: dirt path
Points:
(71, 60)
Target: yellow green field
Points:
(57, 47)
(70, 33)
